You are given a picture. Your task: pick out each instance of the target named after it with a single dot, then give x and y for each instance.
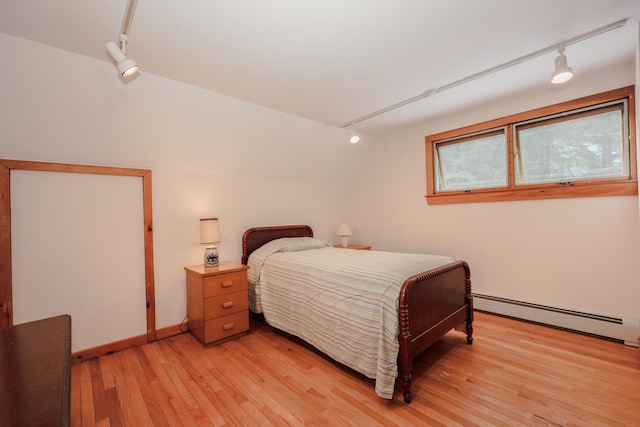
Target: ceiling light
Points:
(353, 136)
(563, 73)
(126, 66)
(436, 90)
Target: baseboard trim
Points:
(108, 348)
(170, 331)
(124, 344)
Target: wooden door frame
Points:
(6, 166)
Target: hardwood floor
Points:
(515, 373)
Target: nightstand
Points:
(358, 247)
(217, 302)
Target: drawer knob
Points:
(229, 326)
(227, 284)
(227, 304)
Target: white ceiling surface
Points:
(334, 61)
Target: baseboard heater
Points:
(622, 330)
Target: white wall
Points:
(216, 156)
(580, 254)
(97, 213)
(210, 155)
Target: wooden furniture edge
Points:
(255, 237)
(458, 312)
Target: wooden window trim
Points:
(625, 186)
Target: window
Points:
(580, 148)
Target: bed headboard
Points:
(255, 237)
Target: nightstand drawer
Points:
(224, 283)
(221, 305)
(226, 326)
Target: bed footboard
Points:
(430, 305)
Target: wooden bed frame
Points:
(430, 303)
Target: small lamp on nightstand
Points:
(344, 231)
(210, 234)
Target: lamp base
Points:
(211, 256)
(344, 241)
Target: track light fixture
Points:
(353, 136)
(561, 63)
(562, 73)
(126, 66)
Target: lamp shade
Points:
(209, 232)
(344, 229)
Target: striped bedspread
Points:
(343, 302)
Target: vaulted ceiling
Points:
(334, 61)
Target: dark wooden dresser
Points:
(35, 373)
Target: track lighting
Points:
(353, 136)
(562, 73)
(561, 64)
(126, 66)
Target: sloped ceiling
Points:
(335, 61)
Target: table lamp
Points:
(344, 231)
(210, 234)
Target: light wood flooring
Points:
(515, 373)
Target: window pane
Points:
(584, 147)
(584, 142)
(480, 162)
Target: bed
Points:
(325, 296)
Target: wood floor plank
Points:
(514, 374)
(76, 395)
(145, 377)
(86, 402)
(135, 412)
(97, 386)
(114, 411)
(107, 376)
